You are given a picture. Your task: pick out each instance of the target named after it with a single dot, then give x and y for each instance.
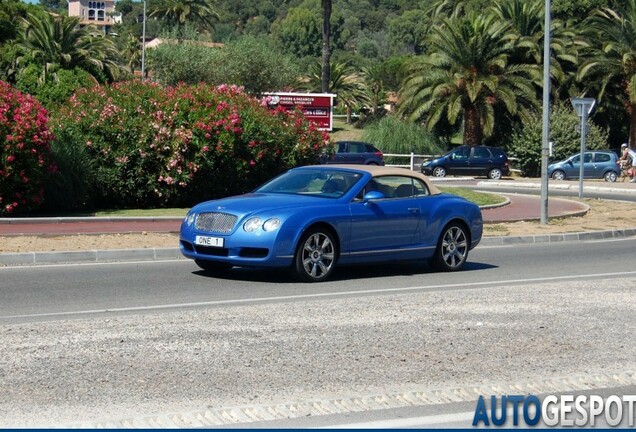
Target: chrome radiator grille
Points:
(221, 223)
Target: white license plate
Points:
(209, 241)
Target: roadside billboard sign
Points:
(317, 107)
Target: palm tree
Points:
(57, 42)
(374, 85)
(179, 12)
(612, 63)
(526, 18)
(344, 82)
(468, 76)
(326, 49)
(131, 51)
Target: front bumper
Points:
(262, 249)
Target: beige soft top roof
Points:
(378, 171)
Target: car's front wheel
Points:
(610, 176)
(452, 248)
(495, 174)
(315, 256)
(439, 172)
(558, 175)
(212, 266)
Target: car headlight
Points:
(427, 163)
(252, 224)
(271, 224)
(190, 217)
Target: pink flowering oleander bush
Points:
(151, 146)
(25, 157)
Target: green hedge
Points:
(145, 145)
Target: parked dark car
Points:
(355, 152)
(596, 164)
(471, 161)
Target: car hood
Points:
(261, 203)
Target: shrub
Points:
(526, 142)
(155, 146)
(392, 135)
(24, 151)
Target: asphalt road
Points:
(39, 293)
(160, 344)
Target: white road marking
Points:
(322, 295)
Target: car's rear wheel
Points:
(315, 256)
(212, 266)
(558, 175)
(452, 248)
(610, 176)
(439, 172)
(495, 174)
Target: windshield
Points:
(319, 182)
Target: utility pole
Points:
(545, 145)
(143, 46)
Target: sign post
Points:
(583, 107)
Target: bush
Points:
(25, 158)
(154, 146)
(392, 135)
(526, 142)
(254, 64)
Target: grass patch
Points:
(479, 198)
(345, 132)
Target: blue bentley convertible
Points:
(312, 218)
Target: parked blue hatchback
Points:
(596, 164)
(312, 218)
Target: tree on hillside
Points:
(179, 12)
(467, 76)
(344, 82)
(612, 60)
(58, 42)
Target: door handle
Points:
(414, 210)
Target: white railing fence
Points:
(414, 166)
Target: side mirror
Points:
(372, 196)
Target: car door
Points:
(385, 224)
(459, 161)
(601, 161)
(342, 153)
(480, 160)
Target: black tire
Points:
(558, 175)
(439, 171)
(495, 174)
(452, 248)
(315, 256)
(212, 266)
(610, 176)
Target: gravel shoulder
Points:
(603, 215)
(80, 371)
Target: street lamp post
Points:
(545, 145)
(583, 107)
(143, 45)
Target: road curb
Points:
(558, 238)
(556, 187)
(90, 256)
(162, 254)
(44, 220)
